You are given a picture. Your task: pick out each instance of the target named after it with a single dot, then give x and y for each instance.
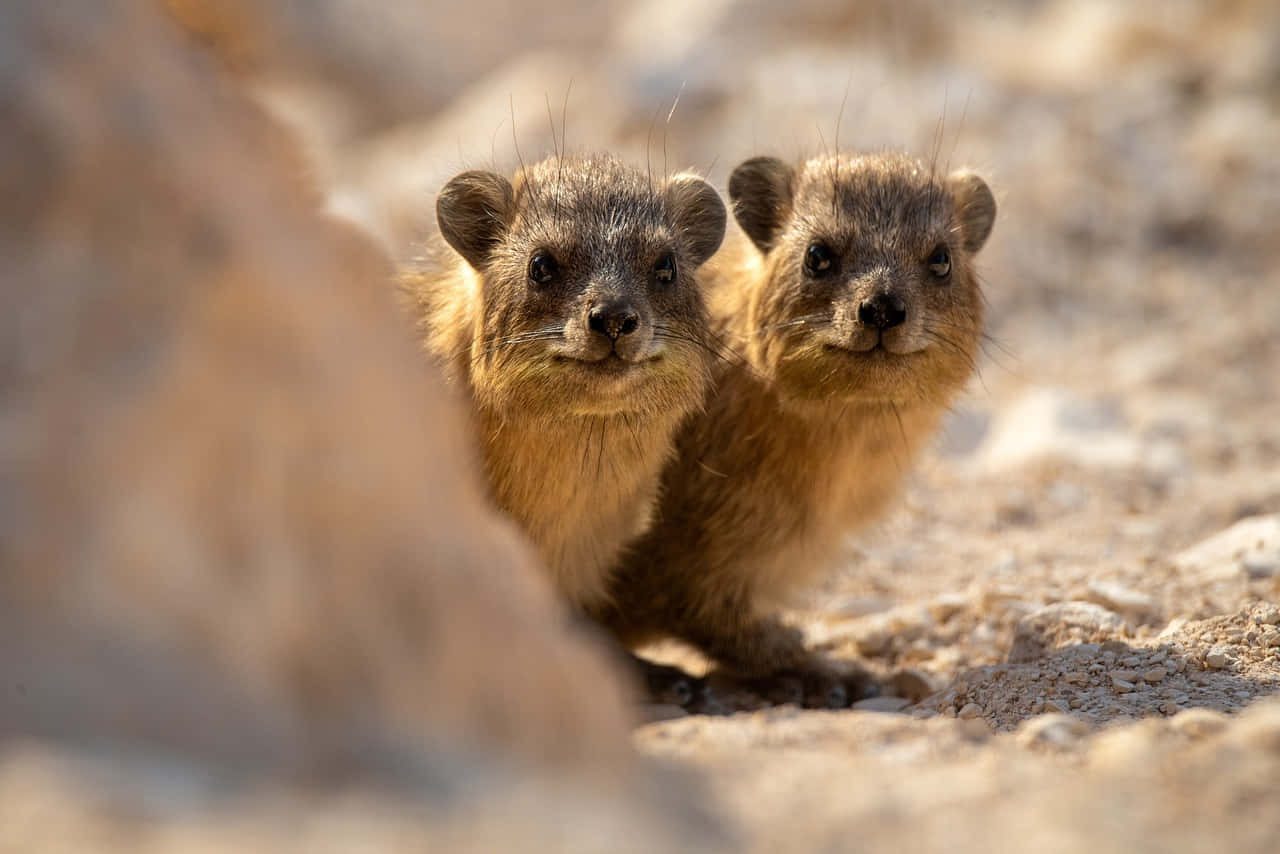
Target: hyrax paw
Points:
(664, 684)
(819, 687)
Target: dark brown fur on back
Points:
(851, 355)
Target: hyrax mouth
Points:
(610, 363)
(876, 347)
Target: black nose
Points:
(882, 311)
(613, 319)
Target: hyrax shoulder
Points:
(572, 314)
(858, 310)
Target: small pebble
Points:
(1076, 677)
(1258, 567)
(1269, 615)
(1056, 706)
(911, 683)
(1129, 676)
(1121, 686)
(1120, 599)
(1155, 674)
(885, 704)
(970, 710)
(947, 606)
(1169, 707)
(1217, 658)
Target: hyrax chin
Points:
(859, 316)
(573, 316)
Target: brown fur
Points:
(811, 434)
(574, 426)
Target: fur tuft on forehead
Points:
(595, 190)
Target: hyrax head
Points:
(586, 270)
(869, 291)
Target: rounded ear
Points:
(975, 207)
(474, 211)
(761, 190)
(698, 215)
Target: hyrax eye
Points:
(939, 262)
(542, 268)
(665, 270)
(819, 260)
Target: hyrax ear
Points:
(761, 190)
(698, 215)
(975, 207)
(474, 211)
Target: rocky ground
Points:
(1077, 601)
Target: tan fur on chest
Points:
(773, 488)
(580, 487)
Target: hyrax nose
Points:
(613, 319)
(882, 311)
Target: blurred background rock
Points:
(251, 598)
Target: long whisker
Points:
(902, 431)
(534, 201)
(523, 339)
(555, 145)
(807, 320)
(712, 344)
(674, 104)
(635, 437)
(1002, 346)
(549, 333)
(960, 352)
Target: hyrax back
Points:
(859, 315)
(575, 320)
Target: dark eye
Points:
(542, 268)
(940, 262)
(818, 260)
(665, 270)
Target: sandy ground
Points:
(1077, 598)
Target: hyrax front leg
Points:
(770, 659)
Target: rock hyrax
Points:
(858, 314)
(574, 317)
